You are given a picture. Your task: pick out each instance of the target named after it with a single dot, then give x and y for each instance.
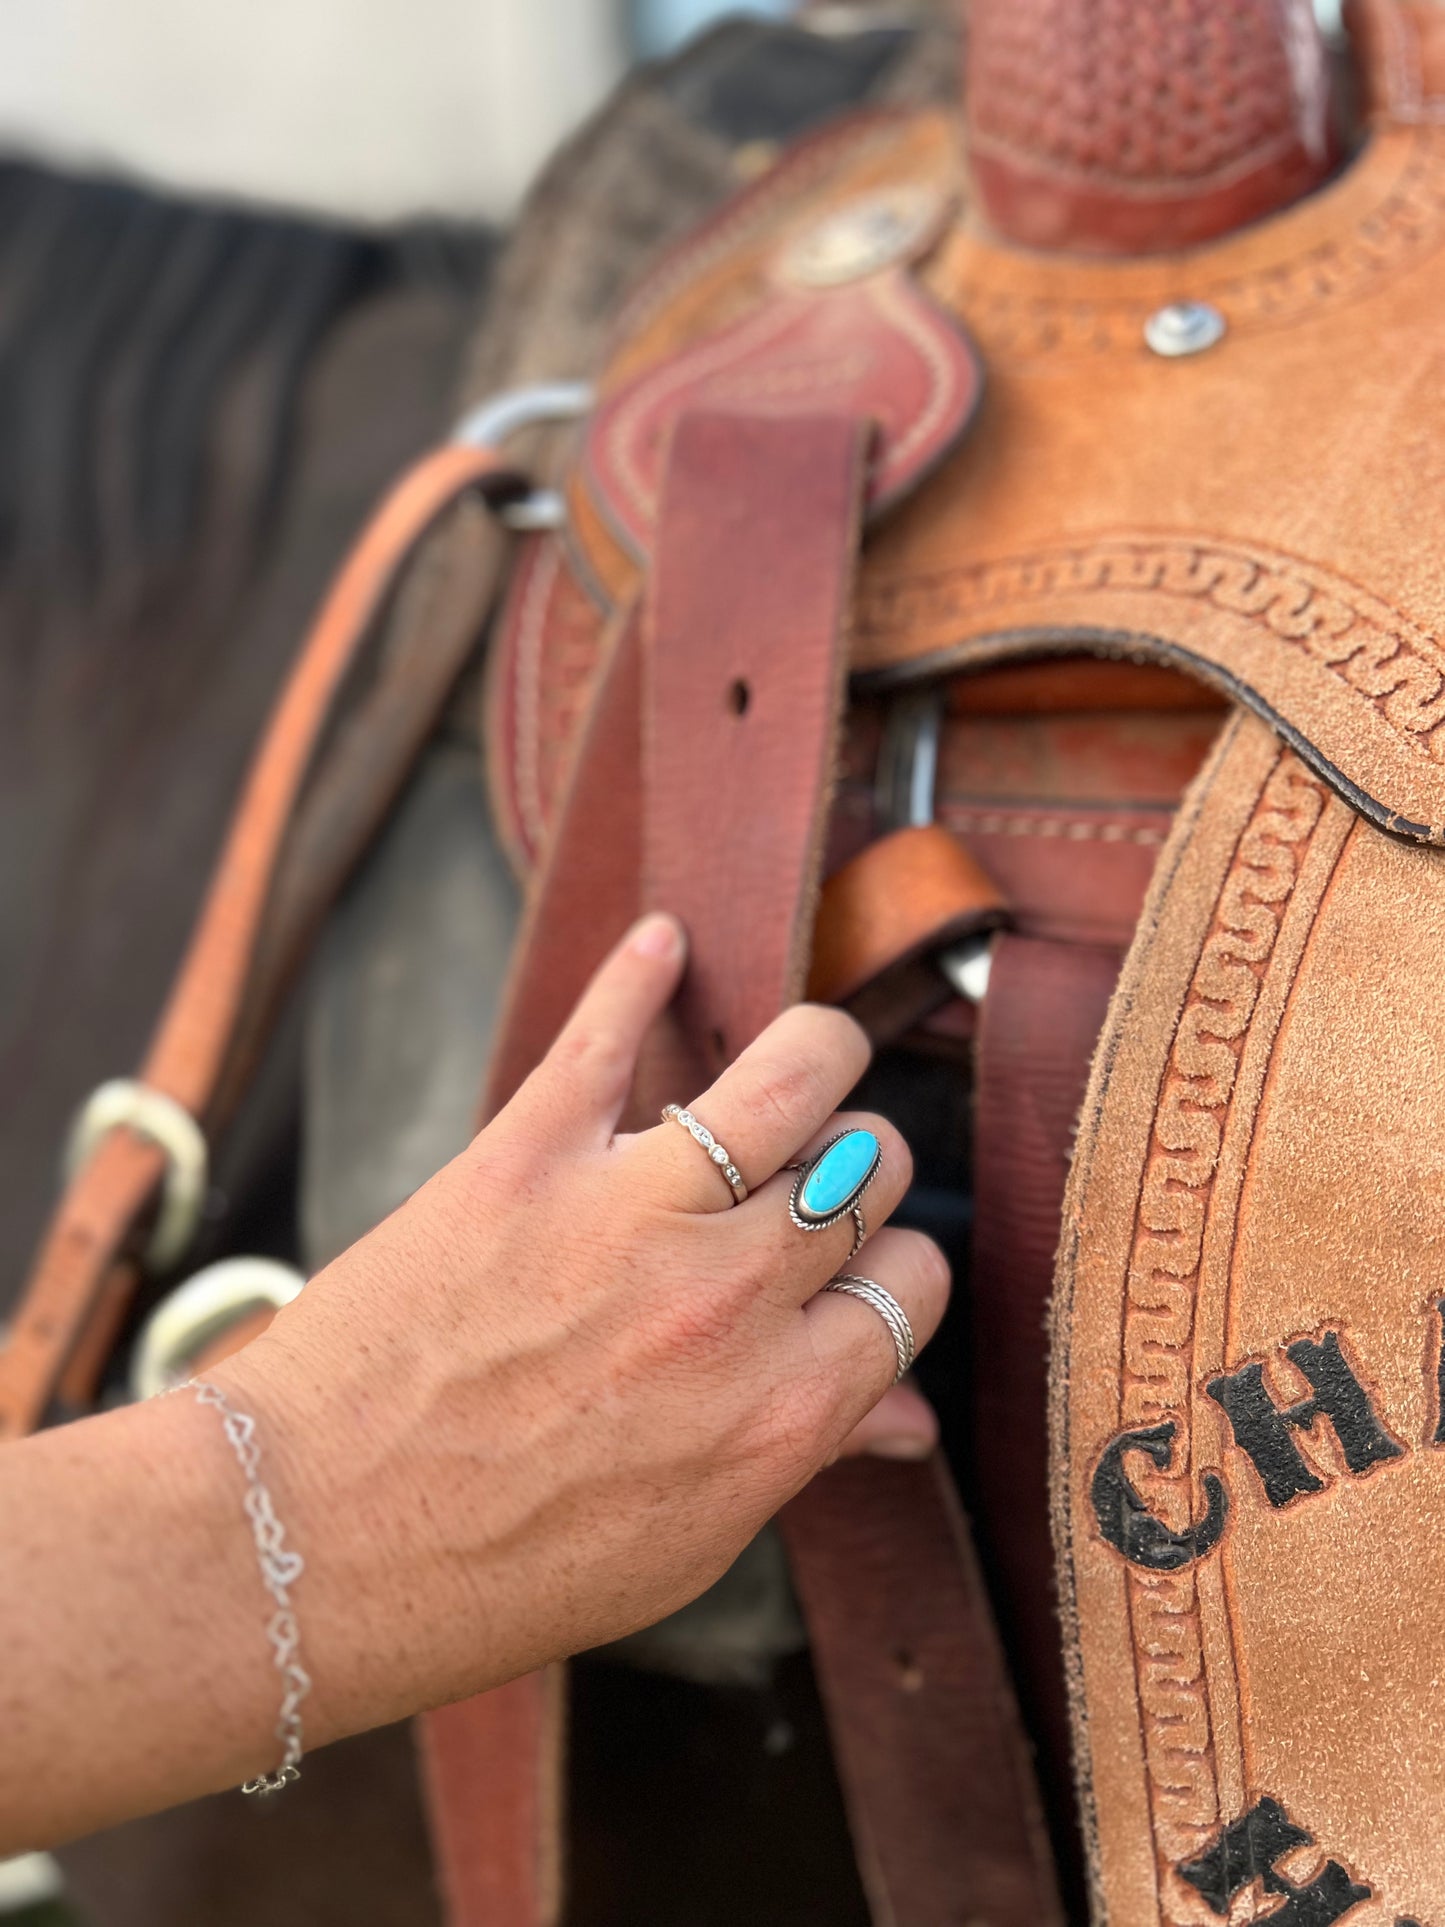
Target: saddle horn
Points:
(1134, 127)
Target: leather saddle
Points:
(990, 585)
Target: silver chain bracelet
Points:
(280, 1569)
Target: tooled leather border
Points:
(1177, 1702)
(1371, 648)
(1163, 1283)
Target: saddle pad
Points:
(1248, 1474)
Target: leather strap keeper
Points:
(885, 913)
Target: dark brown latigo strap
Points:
(728, 698)
(85, 1271)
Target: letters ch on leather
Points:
(1265, 1431)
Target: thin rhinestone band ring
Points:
(675, 1114)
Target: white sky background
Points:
(372, 109)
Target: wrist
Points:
(381, 1600)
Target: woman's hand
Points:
(542, 1404)
(552, 1397)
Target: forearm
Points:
(134, 1665)
(135, 1668)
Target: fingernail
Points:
(657, 936)
(906, 1447)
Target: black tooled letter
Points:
(1246, 1851)
(1128, 1524)
(1262, 1429)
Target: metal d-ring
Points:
(495, 420)
(168, 1125)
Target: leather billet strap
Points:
(492, 1767)
(744, 693)
(721, 613)
(85, 1272)
(935, 1770)
(727, 692)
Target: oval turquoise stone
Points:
(839, 1175)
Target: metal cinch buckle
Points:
(150, 1114)
(493, 421)
(906, 796)
(184, 1323)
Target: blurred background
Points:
(364, 110)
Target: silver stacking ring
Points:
(888, 1309)
(829, 1185)
(675, 1114)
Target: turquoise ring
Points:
(830, 1184)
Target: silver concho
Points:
(865, 235)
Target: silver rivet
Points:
(1184, 328)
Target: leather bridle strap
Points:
(86, 1268)
(728, 697)
(664, 805)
